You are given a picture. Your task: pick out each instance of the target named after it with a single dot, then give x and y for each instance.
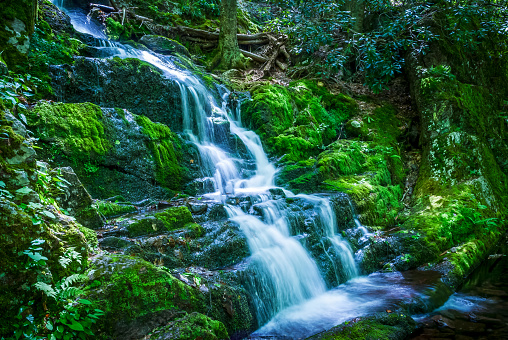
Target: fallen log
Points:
(253, 42)
(255, 57)
(281, 65)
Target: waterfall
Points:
(283, 272)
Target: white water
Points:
(284, 273)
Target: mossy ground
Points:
(296, 121)
(167, 220)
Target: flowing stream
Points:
(284, 273)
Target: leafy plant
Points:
(16, 89)
(64, 316)
(377, 53)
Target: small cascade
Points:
(365, 233)
(328, 226)
(81, 21)
(283, 273)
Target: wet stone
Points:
(469, 327)
(197, 208)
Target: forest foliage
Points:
(323, 34)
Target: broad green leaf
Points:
(24, 191)
(85, 302)
(76, 326)
(49, 214)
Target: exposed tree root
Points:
(273, 50)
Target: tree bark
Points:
(229, 51)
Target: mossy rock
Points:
(460, 196)
(78, 128)
(113, 151)
(175, 217)
(58, 20)
(370, 173)
(163, 45)
(390, 326)
(191, 327)
(301, 176)
(165, 146)
(128, 83)
(168, 220)
(111, 209)
(136, 295)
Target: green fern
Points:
(46, 289)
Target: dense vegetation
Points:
(400, 105)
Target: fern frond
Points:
(70, 280)
(46, 289)
(70, 293)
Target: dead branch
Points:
(255, 57)
(104, 8)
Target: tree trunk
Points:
(357, 9)
(229, 55)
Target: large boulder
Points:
(127, 83)
(112, 151)
(460, 198)
(138, 297)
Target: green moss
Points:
(77, 128)
(110, 209)
(165, 148)
(128, 288)
(332, 108)
(370, 174)
(193, 326)
(175, 217)
(90, 236)
(299, 176)
(295, 148)
(298, 120)
(394, 326)
(167, 220)
(270, 112)
(195, 230)
(146, 226)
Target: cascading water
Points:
(284, 273)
